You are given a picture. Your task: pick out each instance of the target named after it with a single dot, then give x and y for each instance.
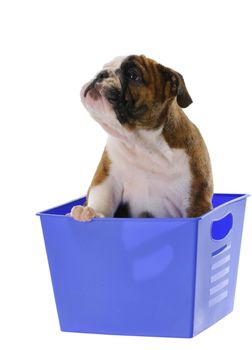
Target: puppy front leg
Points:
(103, 200)
(104, 194)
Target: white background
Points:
(50, 146)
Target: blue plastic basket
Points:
(152, 277)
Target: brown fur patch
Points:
(102, 170)
(146, 98)
(180, 132)
(101, 173)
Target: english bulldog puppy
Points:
(155, 162)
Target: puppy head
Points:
(131, 93)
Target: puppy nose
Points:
(102, 75)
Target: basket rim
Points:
(239, 197)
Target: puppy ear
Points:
(183, 97)
(177, 86)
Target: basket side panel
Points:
(123, 277)
(219, 240)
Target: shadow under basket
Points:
(151, 277)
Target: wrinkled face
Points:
(133, 92)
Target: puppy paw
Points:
(81, 213)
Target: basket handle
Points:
(220, 228)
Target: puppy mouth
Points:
(93, 92)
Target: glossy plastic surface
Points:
(153, 277)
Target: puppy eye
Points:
(132, 74)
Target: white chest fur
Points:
(154, 178)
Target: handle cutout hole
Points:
(221, 228)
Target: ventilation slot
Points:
(219, 279)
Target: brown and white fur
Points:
(155, 163)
